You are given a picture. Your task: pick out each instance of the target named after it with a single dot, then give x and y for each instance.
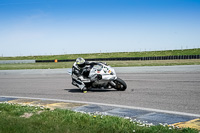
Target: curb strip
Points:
(145, 116)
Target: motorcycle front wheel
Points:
(120, 85)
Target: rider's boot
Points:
(84, 90)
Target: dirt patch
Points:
(27, 115)
(39, 112)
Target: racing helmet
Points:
(80, 62)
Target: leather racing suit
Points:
(81, 73)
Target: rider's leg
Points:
(79, 84)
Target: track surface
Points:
(173, 88)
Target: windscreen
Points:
(98, 67)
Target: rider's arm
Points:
(76, 71)
(91, 63)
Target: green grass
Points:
(108, 55)
(66, 121)
(111, 63)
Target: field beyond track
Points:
(108, 55)
(111, 63)
(53, 65)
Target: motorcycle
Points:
(102, 75)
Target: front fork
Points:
(112, 83)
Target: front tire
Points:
(120, 85)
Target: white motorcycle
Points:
(102, 75)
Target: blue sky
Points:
(45, 27)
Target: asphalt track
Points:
(167, 88)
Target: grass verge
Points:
(13, 120)
(111, 63)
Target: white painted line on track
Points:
(113, 105)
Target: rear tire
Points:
(120, 85)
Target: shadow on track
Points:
(91, 90)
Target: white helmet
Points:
(80, 62)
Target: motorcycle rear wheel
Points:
(120, 85)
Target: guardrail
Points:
(178, 57)
(16, 61)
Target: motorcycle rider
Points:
(80, 71)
